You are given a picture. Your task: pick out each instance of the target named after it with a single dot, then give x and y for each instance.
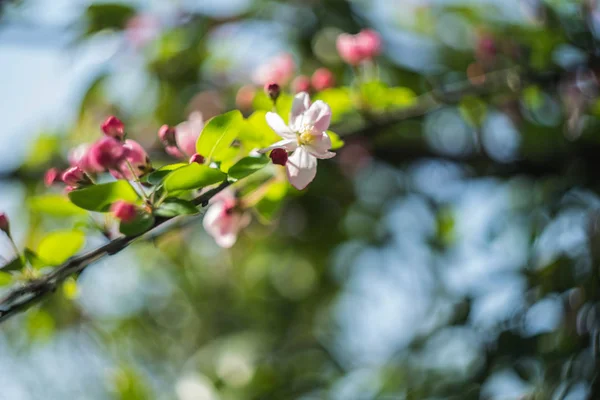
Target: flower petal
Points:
(278, 125)
(319, 116)
(320, 147)
(301, 168)
(288, 144)
(300, 104)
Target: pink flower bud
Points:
(197, 158)
(113, 127)
(279, 156)
(166, 134)
(51, 176)
(136, 158)
(75, 176)
(322, 79)
(279, 69)
(69, 189)
(349, 48)
(188, 132)
(369, 43)
(106, 153)
(123, 210)
(272, 90)
(4, 225)
(301, 84)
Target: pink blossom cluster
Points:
(354, 49)
(180, 141)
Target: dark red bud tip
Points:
(197, 158)
(166, 134)
(4, 225)
(273, 90)
(113, 127)
(279, 156)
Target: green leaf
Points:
(256, 133)
(55, 205)
(401, 97)
(339, 100)
(271, 203)
(100, 197)
(157, 176)
(5, 278)
(13, 265)
(44, 148)
(192, 176)
(138, 226)
(247, 166)
(107, 16)
(59, 246)
(33, 259)
(174, 207)
(336, 141)
(218, 134)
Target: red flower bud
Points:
(4, 225)
(301, 84)
(197, 158)
(113, 127)
(51, 176)
(322, 79)
(106, 153)
(272, 90)
(75, 176)
(123, 210)
(166, 134)
(279, 156)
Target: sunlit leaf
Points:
(138, 226)
(14, 265)
(174, 207)
(43, 150)
(193, 176)
(58, 247)
(100, 197)
(40, 325)
(473, 110)
(5, 278)
(336, 141)
(218, 135)
(339, 101)
(55, 205)
(247, 166)
(272, 201)
(157, 176)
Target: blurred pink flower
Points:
(107, 153)
(137, 158)
(186, 136)
(355, 49)
(279, 70)
(322, 79)
(51, 176)
(141, 29)
(4, 224)
(197, 158)
(305, 136)
(301, 84)
(75, 177)
(224, 219)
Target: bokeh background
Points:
(448, 255)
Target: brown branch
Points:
(23, 297)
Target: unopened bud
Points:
(273, 90)
(51, 176)
(279, 156)
(166, 134)
(113, 127)
(322, 79)
(75, 176)
(197, 158)
(105, 154)
(123, 210)
(4, 225)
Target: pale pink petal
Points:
(278, 125)
(318, 115)
(300, 104)
(288, 144)
(301, 168)
(320, 147)
(188, 132)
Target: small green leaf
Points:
(339, 101)
(33, 259)
(100, 197)
(336, 141)
(157, 176)
(174, 207)
(5, 278)
(218, 134)
(55, 205)
(57, 247)
(107, 16)
(193, 176)
(138, 226)
(473, 110)
(247, 166)
(14, 265)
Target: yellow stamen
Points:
(306, 138)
